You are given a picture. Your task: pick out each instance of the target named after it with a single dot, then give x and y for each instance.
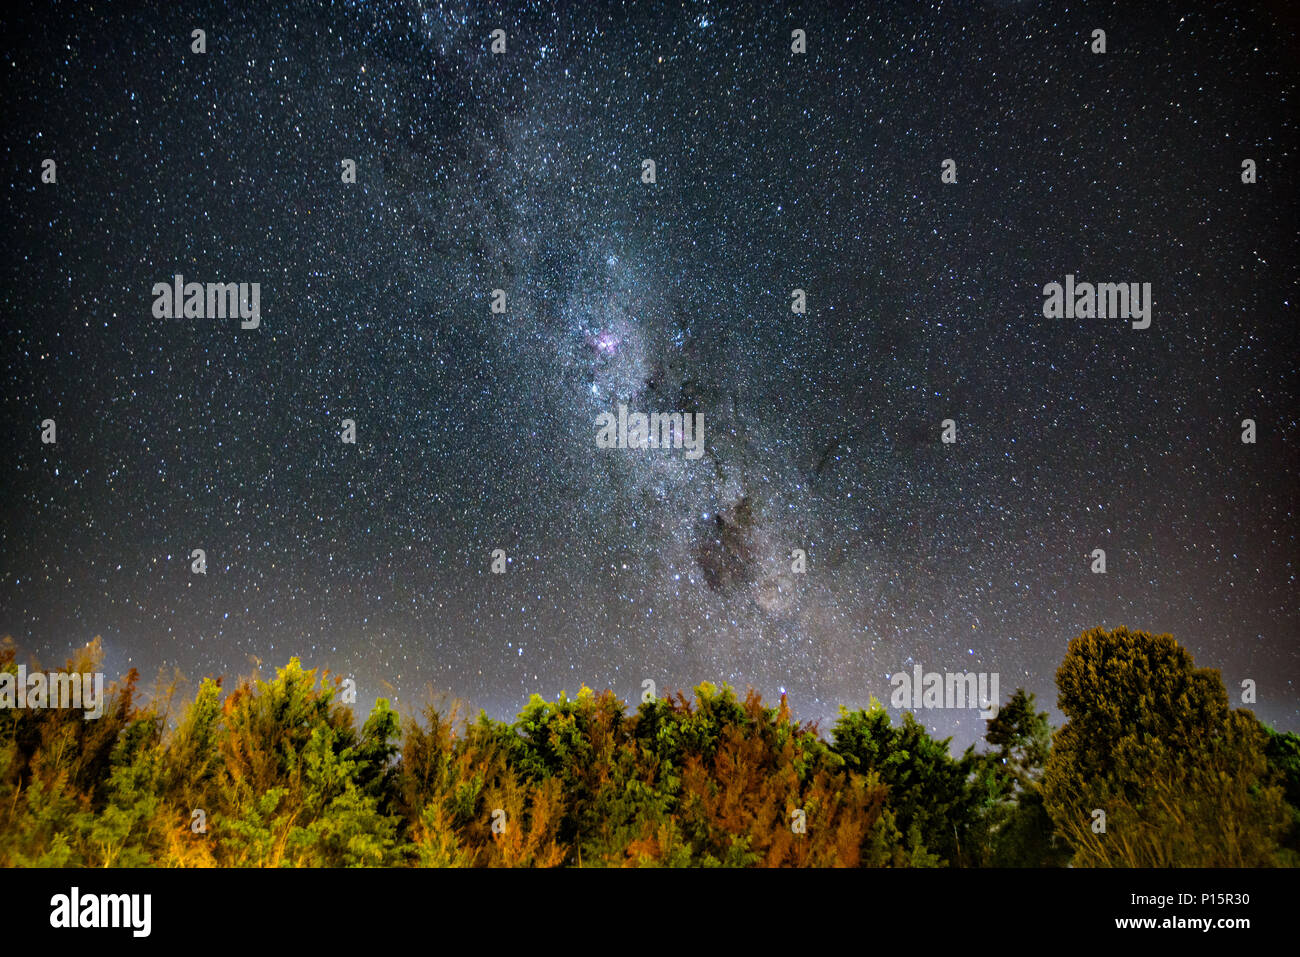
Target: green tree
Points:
(1016, 828)
(294, 782)
(1283, 755)
(928, 794)
(1151, 742)
(1022, 738)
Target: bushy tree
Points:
(68, 796)
(1152, 743)
(295, 783)
(772, 793)
(927, 787)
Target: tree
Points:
(1283, 755)
(1022, 737)
(928, 794)
(1152, 743)
(1016, 830)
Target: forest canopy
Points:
(1152, 768)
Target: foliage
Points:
(928, 790)
(1151, 742)
(277, 773)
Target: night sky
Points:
(476, 430)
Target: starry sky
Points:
(775, 171)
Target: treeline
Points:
(1152, 768)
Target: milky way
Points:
(775, 171)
